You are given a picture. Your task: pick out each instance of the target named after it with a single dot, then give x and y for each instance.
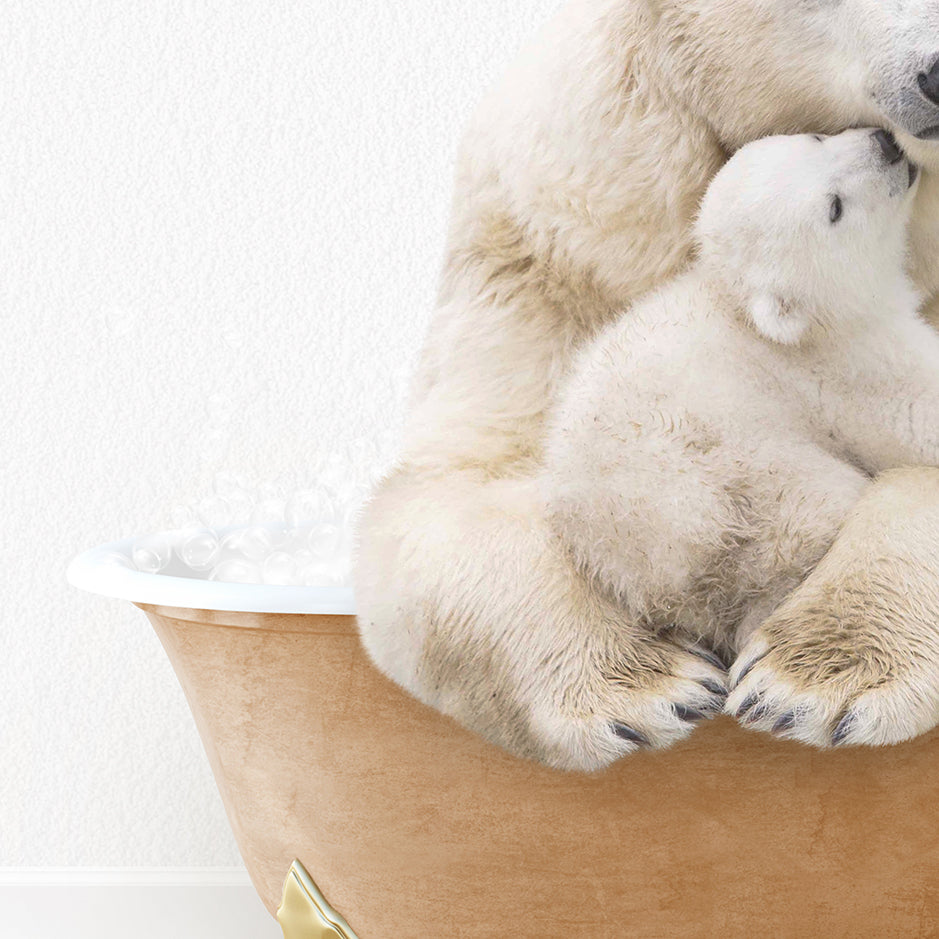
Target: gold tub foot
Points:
(304, 913)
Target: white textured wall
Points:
(220, 226)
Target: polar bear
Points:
(575, 192)
(708, 446)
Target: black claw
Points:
(843, 729)
(758, 713)
(748, 668)
(748, 703)
(633, 736)
(712, 657)
(786, 722)
(712, 707)
(688, 714)
(715, 687)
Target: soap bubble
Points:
(310, 505)
(214, 512)
(236, 491)
(324, 540)
(279, 568)
(254, 543)
(322, 574)
(152, 554)
(118, 559)
(285, 535)
(231, 544)
(119, 321)
(274, 489)
(199, 549)
(242, 503)
(236, 571)
(347, 493)
(183, 516)
(269, 511)
(292, 540)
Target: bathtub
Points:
(360, 812)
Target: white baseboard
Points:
(124, 876)
(146, 903)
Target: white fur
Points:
(703, 456)
(575, 193)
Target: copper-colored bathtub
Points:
(363, 814)
(413, 828)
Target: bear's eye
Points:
(837, 209)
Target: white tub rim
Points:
(96, 571)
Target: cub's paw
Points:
(650, 696)
(831, 689)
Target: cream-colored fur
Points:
(708, 446)
(575, 192)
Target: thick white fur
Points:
(707, 447)
(575, 193)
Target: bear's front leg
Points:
(470, 601)
(852, 656)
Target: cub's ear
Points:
(777, 320)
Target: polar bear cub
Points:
(709, 444)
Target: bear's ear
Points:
(777, 320)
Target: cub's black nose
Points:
(892, 153)
(929, 82)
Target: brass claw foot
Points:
(304, 912)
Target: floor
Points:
(141, 912)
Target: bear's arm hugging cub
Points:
(576, 189)
(710, 444)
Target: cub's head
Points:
(810, 231)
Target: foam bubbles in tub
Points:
(152, 554)
(198, 548)
(264, 534)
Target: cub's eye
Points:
(837, 209)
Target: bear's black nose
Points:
(892, 153)
(929, 82)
